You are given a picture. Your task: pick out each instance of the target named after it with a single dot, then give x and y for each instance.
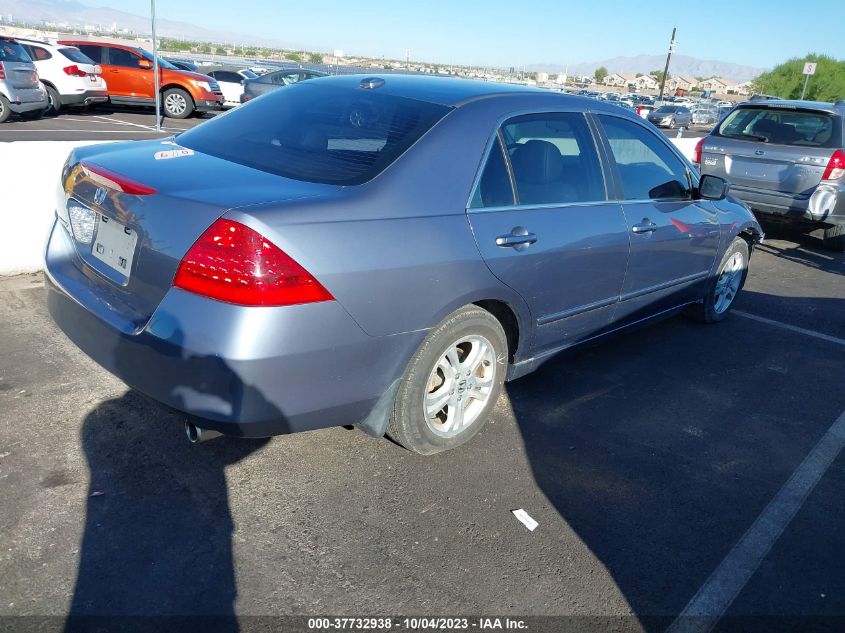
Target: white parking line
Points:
(791, 328)
(723, 586)
(119, 122)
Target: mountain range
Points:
(74, 13)
(680, 65)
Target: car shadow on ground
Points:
(802, 248)
(660, 456)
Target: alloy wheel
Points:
(175, 104)
(460, 386)
(727, 286)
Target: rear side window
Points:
(782, 126)
(494, 187)
(94, 53)
(77, 56)
(648, 169)
(282, 78)
(554, 159)
(37, 53)
(317, 133)
(13, 52)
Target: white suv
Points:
(68, 75)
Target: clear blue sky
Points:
(497, 32)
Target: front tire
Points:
(177, 103)
(723, 289)
(834, 238)
(451, 384)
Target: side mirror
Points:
(712, 187)
(146, 64)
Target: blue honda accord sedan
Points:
(381, 251)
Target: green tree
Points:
(294, 57)
(600, 74)
(787, 80)
(315, 58)
(658, 75)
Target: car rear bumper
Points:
(86, 98)
(249, 372)
(825, 207)
(27, 99)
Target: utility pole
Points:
(666, 70)
(156, 82)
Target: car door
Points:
(545, 227)
(125, 77)
(674, 237)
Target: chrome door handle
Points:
(513, 239)
(646, 226)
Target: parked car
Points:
(231, 81)
(275, 80)
(21, 91)
(69, 77)
(129, 76)
(183, 64)
(396, 248)
(705, 116)
(786, 161)
(670, 116)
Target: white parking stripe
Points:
(119, 122)
(791, 328)
(720, 590)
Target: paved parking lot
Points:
(110, 123)
(653, 463)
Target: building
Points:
(744, 89)
(646, 82)
(681, 81)
(716, 84)
(619, 80)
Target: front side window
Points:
(317, 133)
(647, 168)
(283, 78)
(554, 159)
(123, 58)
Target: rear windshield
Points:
(76, 55)
(317, 133)
(12, 52)
(783, 127)
(662, 109)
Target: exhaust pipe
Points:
(196, 434)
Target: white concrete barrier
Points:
(29, 174)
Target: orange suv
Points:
(129, 78)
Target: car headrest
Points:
(537, 162)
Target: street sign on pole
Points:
(809, 69)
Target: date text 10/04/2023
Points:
(415, 624)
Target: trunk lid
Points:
(756, 165)
(152, 231)
(21, 75)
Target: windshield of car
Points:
(783, 126)
(317, 133)
(246, 73)
(76, 55)
(666, 110)
(12, 52)
(163, 63)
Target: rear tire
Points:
(55, 101)
(834, 238)
(5, 109)
(441, 402)
(725, 286)
(177, 103)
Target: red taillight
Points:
(74, 71)
(231, 262)
(698, 149)
(835, 166)
(108, 178)
(2, 71)
(639, 110)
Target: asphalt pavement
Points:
(648, 461)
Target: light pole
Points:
(666, 70)
(155, 65)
